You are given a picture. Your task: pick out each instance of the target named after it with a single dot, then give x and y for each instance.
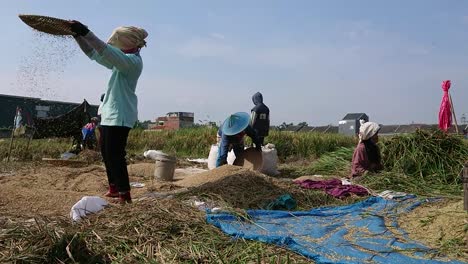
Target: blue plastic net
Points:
(364, 232)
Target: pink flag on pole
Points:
(445, 113)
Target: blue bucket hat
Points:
(235, 123)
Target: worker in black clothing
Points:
(260, 117)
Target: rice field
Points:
(186, 143)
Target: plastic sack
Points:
(153, 154)
(87, 205)
(213, 156)
(270, 160)
(67, 155)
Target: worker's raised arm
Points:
(108, 56)
(84, 46)
(91, 52)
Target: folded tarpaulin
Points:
(364, 232)
(333, 187)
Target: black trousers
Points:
(261, 140)
(113, 143)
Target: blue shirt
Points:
(119, 107)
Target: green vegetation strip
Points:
(190, 142)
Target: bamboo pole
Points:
(453, 113)
(465, 186)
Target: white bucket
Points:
(164, 167)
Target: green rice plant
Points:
(188, 142)
(296, 145)
(37, 149)
(424, 163)
(337, 163)
(433, 157)
(388, 180)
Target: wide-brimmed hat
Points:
(235, 123)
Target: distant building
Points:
(33, 107)
(349, 125)
(174, 121)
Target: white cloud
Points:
(218, 36)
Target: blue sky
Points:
(313, 61)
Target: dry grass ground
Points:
(35, 202)
(441, 225)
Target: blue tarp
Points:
(364, 232)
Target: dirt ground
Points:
(51, 190)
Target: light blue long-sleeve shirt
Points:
(119, 107)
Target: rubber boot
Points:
(124, 197)
(112, 192)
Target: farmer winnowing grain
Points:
(232, 134)
(366, 156)
(121, 54)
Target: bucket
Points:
(164, 167)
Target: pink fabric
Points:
(445, 114)
(333, 187)
(90, 126)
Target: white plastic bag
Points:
(67, 155)
(231, 157)
(87, 205)
(270, 160)
(213, 156)
(153, 154)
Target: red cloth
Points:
(445, 113)
(333, 187)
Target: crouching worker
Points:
(366, 157)
(89, 137)
(121, 55)
(232, 133)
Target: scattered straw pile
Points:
(149, 231)
(90, 156)
(442, 225)
(245, 189)
(212, 176)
